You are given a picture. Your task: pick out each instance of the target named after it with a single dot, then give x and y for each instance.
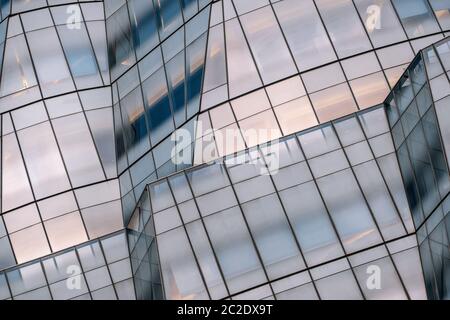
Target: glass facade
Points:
(317, 149)
(326, 212)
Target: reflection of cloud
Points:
(359, 236)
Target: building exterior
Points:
(231, 149)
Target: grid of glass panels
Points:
(58, 162)
(96, 270)
(418, 113)
(59, 185)
(415, 129)
(144, 253)
(336, 193)
(57, 144)
(67, 143)
(74, 56)
(270, 93)
(434, 242)
(136, 27)
(157, 90)
(356, 51)
(349, 64)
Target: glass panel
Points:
(262, 29)
(157, 106)
(301, 24)
(242, 73)
(381, 22)
(17, 72)
(311, 223)
(78, 150)
(30, 243)
(45, 167)
(333, 103)
(170, 17)
(16, 189)
(330, 288)
(391, 287)
(26, 278)
(215, 71)
(143, 25)
(120, 44)
(195, 60)
(273, 236)
(134, 125)
(207, 179)
(206, 260)
(81, 58)
(53, 73)
(232, 242)
(442, 10)
(417, 17)
(181, 276)
(379, 200)
(295, 116)
(349, 211)
(344, 27)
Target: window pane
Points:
(333, 103)
(417, 17)
(103, 219)
(143, 24)
(442, 11)
(301, 24)
(207, 179)
(120, 45)
(379, 200)
(26, 278)
(273, 236)
(16, 189)
(81, 58)
(311, 224)
(134, 125)
(262, 30)
(344, 27)
(170, 17)
(17, 72)
(370, 90)
(330, 288)
(53, 73)
(349, 211)
(215, 74)
(45, 167)
(157, 105)
(242, 73)
(181, 276)
(381, 22)
(232, 242)
(391, 287)
(78, 150)
(30, 243)
(206, 260)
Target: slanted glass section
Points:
(284, 210)
(434, 243)
(415, 130)
(158, 78)
(95, 270)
